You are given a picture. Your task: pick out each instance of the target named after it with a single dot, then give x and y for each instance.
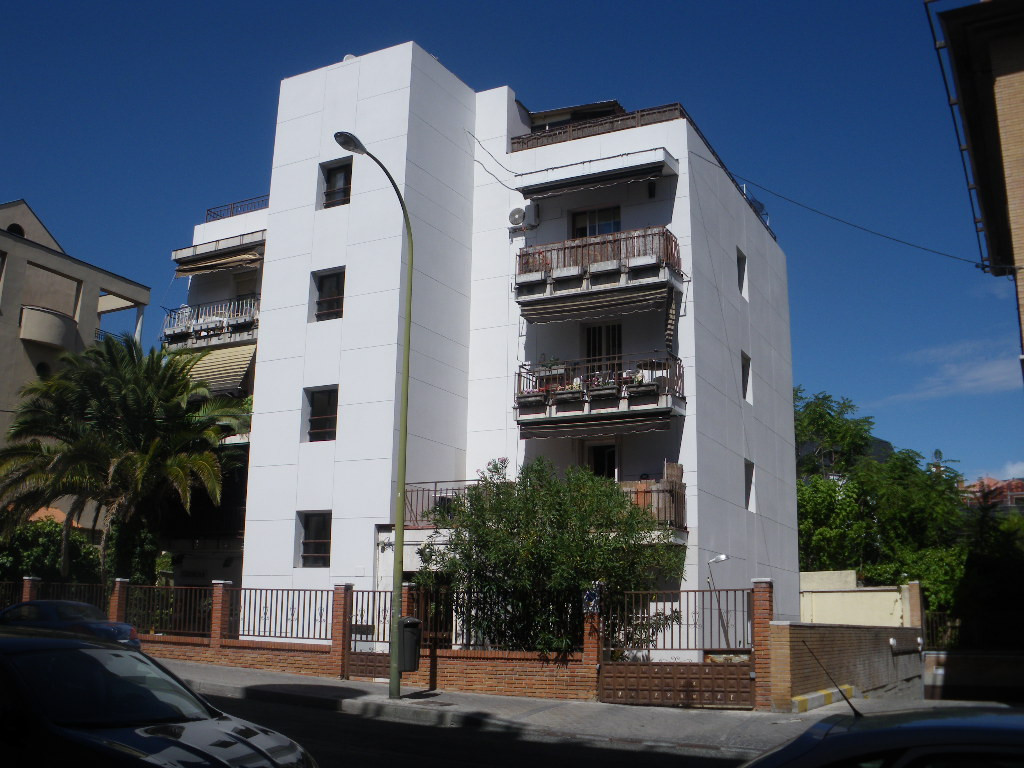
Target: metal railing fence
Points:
(10, 593)
(637, 247)
(170, 610)
(295, 614)
(371, 620)
(234, 209)
(597, 377)
(644, 623)
(212, 317)
(94, 594)
(584, 128)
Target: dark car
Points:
(69, 616)
(948, 737)
(66, 700)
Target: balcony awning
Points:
(619, 424)
(224, 369)
(217, 264)
(618, 169)
(594, 305)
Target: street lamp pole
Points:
(349, 142)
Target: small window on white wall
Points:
(315, 546)
(748, 485)
(748, 392)
(741, 273)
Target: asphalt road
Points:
(335, 739)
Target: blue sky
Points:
(124, 121)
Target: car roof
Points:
(21, 639)
(920, 720)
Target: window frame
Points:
(594, 222)
(320, 314)
(336, 194)
(322, 419)
(746, 379)
(741, 274)
(307, 528)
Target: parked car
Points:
(67, 700)
(70, 616)
(947, 737)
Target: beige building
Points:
(50, 302)
(985, 42)
(835, 597)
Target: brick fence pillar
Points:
(29, 588)
(914, 611)
(341, 627)
(117, 609)
(763, 613)
(408, 600)
(220, 613)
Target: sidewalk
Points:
(706, 732)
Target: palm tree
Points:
(127, 430)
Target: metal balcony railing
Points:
(608, 376)
(584, 128)
(636, 247)
(235, 209)
(212, 318)
(427, 505)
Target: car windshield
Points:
(79, 612)
(104, 688)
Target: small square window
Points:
(323, 414)
(330, 295)
(741, 272)
(337, 184)
(748, 485)
(316, 539)
(748, 393)
(602, 221)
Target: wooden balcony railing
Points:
(636, 247)
(235, 209)
(610, 376)
(427, 504)
(212, 318)
(596, 127)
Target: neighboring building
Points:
(1008, 494)
(986, 48)
(836, 597)
(591, 286)
(50, 303)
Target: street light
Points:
(718, 595)
(350, 143)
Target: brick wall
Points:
(854, 655)
(295, 658)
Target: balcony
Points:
(216, 322)
(585, 128)
(599, 396)
(49, 328)
(426, 504)
(591, 278)
(236, 209)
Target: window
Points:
(337, 184)
(748, 485)
(748, 394)
(741, 272)
(16, 229)
(596, 222)
(330, 295)
(323, 414)
(316, 539)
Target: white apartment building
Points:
(590, 286)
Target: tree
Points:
(34, 549)
(127, 430)
(517, 554)
(828, 437)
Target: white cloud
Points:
(973, 367)
(1012, 469)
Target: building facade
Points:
(51, 303)
(590, 286)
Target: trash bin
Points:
(410, 630)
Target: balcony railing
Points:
(235, 209)
(427, 505)
(596, 127)
(606, 377)
(212, 318)
(637, 247)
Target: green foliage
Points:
(127, 430)
(133, 551)
(33, 549)
(517, 555)
(828, 437)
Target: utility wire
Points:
(874, 232)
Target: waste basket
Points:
(410, 630)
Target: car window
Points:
(98, 688)
(79, 612)
(24, 613)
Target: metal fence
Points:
(234, 209)
(583, 128)
(294, 614)
(94, 594)
(170, 610)
(638, 247)
(427, 504)
(599, 378)
(213, 317)
(10, 593)
(650, 625)
(371, 620)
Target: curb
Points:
(424, 714)
(809, 701)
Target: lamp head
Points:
(718, 558)
(349, 142)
